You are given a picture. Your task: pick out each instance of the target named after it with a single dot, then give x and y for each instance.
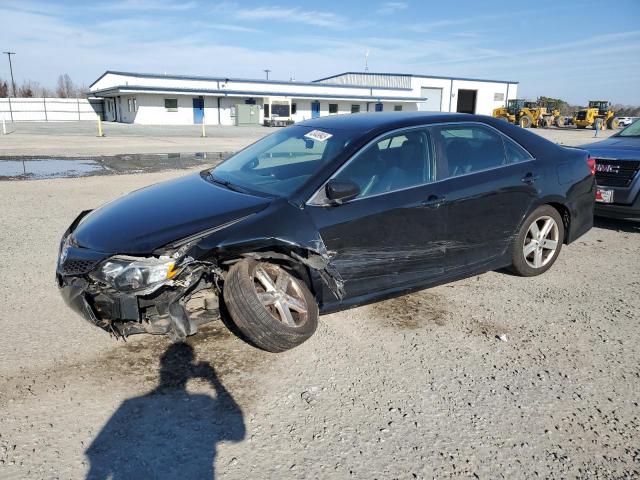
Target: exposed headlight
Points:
(134, 274)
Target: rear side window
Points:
(464, 149)
(515, 153)
(395, 162)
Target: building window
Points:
(250, 101)
(135, 105)
(129, 104)
(379, 107)
(333, 108)
(267, 109)
(498, 97)
(355, 108)
(171, 104)
(280, 109)
(294, 109)
(397, 108)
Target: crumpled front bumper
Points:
(123, 314)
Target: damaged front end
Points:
(173, 291)
(125, 295)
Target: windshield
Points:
(632, 130)
(282, 162)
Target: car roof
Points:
(385, 120)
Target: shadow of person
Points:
(169, 432)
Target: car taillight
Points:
(592, 165)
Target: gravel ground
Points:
(494, 376)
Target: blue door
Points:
(378, 107)
(198, 110)
(315, 109)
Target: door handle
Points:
(530, 178)
(433, 201)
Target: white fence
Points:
(50, 109)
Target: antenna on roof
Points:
(366, 61)
(267, 71)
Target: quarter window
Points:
(398, 161)
(515, 153)
(464, 149)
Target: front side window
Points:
(282, 162)
(171, 104)
(464, 149)
(395, 162)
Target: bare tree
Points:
(4, 89)
(66, 88)
(28, 89)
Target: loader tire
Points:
(525, 121)
(560, 122)
(613, 123)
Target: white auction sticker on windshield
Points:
(319, 135)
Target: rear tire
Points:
(613, 123)
(273, 309)
(525, 121)
(538, 244)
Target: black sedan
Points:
(617, 166)
(325, 215)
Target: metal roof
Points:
(320, 80)
(228, 79)
(226, 92)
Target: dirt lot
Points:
(495, 376)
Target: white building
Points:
(184, 100)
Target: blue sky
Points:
(577, 50)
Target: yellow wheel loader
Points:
(598, 112)
(518, 111)
(549, 115)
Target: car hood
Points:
(154, 216)
(615, 147)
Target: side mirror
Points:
(339, 191)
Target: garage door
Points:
(434, 100)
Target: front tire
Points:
(538, 243)
(273, 309)
(525, 121)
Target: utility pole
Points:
(13, 83)
(267, 71)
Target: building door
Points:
(433, 102)
(198, 110)
(379, 107)
(315, 109)
(467, 101)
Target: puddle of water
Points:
(48, 168)
(34, 168)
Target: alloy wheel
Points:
(280, 294)
(541, 242)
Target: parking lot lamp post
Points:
(13, 83)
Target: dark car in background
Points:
(617, 165)
(325, 215)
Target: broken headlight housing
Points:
(141, 275)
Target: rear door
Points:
(392, 234)
(490, 184)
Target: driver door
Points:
(390, 236)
